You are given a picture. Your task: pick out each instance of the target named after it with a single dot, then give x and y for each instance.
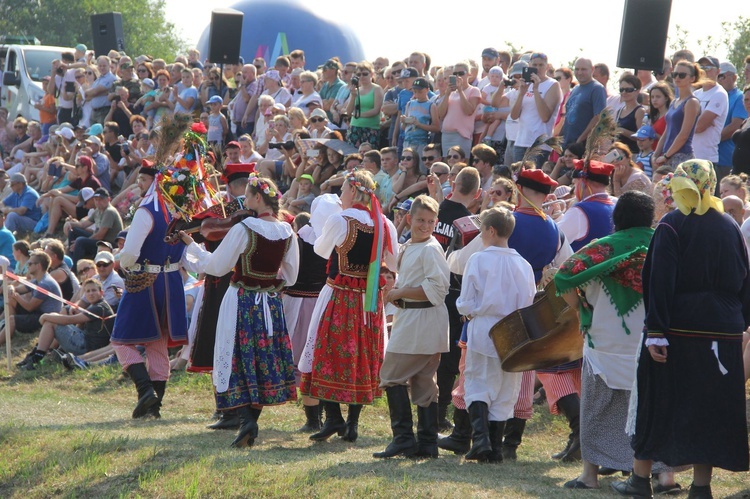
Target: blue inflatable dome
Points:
(273, 28)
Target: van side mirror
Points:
(10, 79)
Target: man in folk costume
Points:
(211, 294)
(152, 309)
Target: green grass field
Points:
(66, 434)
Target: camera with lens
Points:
(60, 71)
(116, 98)
(508, 82)
(288, 145)
(355, 81)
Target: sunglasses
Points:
(629, 90)
(657, 73)
(708, 68)
(539, 55)
(33, 263)
(364, 73)
(103, 264)
(428, 158)
(85, 269)
(407, 158)
(307, 81)
(316, 120)
(142, 70)
(722, 76)
(454, 156)
(497, 192)
(558, 78)
(19, 126)
(459, 73)
(680, 75)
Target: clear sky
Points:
(450, 31)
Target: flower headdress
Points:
(262, 185)
(381, 238)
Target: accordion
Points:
(467, 228)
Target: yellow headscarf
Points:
(693, 185)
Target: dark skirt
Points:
(202, 354)
(262, 363)
(688, 412)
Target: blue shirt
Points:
(736, 110)
(26, 199)
(585, 102)
(105, 81)
(6, 245)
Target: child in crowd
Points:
(644, 137)
(497, 281)
(418, 337)
(401, 221)
(495, 76)
(217, 123)
(305, 196)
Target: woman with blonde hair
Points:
(344, 350)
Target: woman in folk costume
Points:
(344, 350)
(603, 281)
(253, 365)
(689, 402)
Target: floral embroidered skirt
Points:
(262, 363)
(348, 352)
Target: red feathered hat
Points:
(233, 171)
(595, 171)
(147, 168)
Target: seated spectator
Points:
(112, 283)
(105, 219)
(21, 253)
(101, 162)
(317, 124)
(59, 270)
(78, 333)
(7, 242)
(248, 154)
(20, 209)
(85, 269)
(27, 305)
(308, 99)
(305, 195)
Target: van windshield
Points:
(39, 62)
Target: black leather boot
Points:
(352, 423)
(159, 388)
(334, 422)
(228, 420)
(427, 431)
(312, 416)
(497, 428)
(248, 426)
(634, 486)
(459, 441)
(402, 425)
(570, 406)
(514, 429)
(481, 447)
(146, 396)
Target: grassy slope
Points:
(70, 435)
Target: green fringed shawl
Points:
(616, 261)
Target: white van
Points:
(23, 68)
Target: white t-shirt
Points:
(706, 143)
(530, 124)
(511, 126)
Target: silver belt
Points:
(154, 269)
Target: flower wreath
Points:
(261, 185)
(357, 184)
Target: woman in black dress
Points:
(690, 407)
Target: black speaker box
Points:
(226, 36)
(643, 38)
(106, 30)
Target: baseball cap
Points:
(94, 140)
(727, 67)
(216, 99)
(126, 65)
(279, 106)
(232, 144)
(517, 68)
(405, 205)
(104, 256)
(87, 193)
(101, 192)
(17, 177)
(711, 59)
(81, 47)
(645, 132)
(307, 176)
(65, 133)
(332, 64)
(121, 235)
(490, 52)
(420, 83)
(86, 161)
(95, 129)
(409, 73)
(318, 113)
(105, 246)
(148, 82)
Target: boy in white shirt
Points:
(497, 281)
